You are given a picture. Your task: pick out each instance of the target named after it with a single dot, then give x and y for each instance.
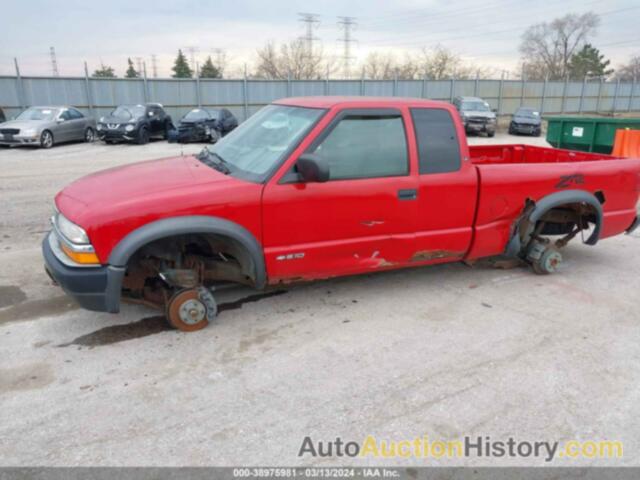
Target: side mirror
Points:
(494, 110)
(312, 168)
(59, 120)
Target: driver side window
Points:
(366, 146)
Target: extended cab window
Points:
(438, 146)
(364, 146)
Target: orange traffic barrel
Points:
(626, 143)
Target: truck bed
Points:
(506, 154)
(509, 175)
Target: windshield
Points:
(197, 115)
(128, 111)
(527, 112)
(476, 106)
(36, 113)
(257, 145)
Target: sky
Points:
(486, 34)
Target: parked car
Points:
(526, 120)
(135, 123)
(318, 187)
(47, 126)
(204, 125)
(476, 115)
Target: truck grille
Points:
(9, 131)
(478, 119)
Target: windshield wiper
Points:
(214, 160)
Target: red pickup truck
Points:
(311, 188)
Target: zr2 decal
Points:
(567, 180)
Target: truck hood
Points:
(526, 120)
(124, 184)
(480, 114)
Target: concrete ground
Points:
(442, 351)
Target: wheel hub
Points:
(192, 311)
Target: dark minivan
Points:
(526, 120)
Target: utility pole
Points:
(347, 24)
(138, 65)
(54, 62)
(311, 22)
(154, 65)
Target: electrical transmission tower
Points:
(138, 65)
(347, 24)
(54, 62)
(311, 21)
(154, 65)
(192, 54)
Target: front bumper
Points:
(523, 128)
(480, 127)
(117, 135)
(94, 288)
(19, 140)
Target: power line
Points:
(54, 62)
(311, 21)
(347, 24)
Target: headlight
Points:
(100, 126)
(29, 132)
(71, 231)
(129, 128)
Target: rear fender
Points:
(550, 202)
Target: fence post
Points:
(144, 82)
(615, 97)
(584, 83)
(544, 94)
(522, 85)
(362, 83)
(599, 96)
(453, 84)
(475, 85)
(19, 86)
(245, 100)
(88, 87)
(500, 88)
(198, 92)
(564, 94)
(395, 84)
(326, 82)
(288, 84)
(424, 86)
(633, 89)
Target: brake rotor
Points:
(187, 311)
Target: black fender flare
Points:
(191, 225)
(555, 200)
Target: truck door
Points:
(447, 190)
(362, 219)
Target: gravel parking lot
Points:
(443, 351)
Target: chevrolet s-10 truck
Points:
(319, 187)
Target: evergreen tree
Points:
(131, 72)
(209, 70)
(181, 67)
(589, 62)
(104, 71)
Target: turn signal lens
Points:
(84, 258)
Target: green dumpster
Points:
(589, 134)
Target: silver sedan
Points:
(46, 126)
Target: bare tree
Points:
(629, 71)
(291, 60)
(437, 63)
(547, 48)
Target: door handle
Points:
(409, 194)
